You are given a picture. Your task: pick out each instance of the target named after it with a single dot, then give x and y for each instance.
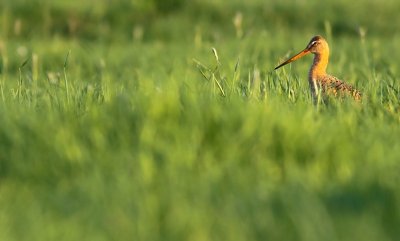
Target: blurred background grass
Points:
(110, 131)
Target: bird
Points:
(322, 84)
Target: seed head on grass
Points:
(214, 73)
(216, 55)
(19, 94)
(65, 76)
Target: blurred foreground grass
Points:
(126, 139)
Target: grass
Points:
(173, 126)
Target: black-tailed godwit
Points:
(320, 82)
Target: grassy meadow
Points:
(164, 120)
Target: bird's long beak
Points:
(294, 58)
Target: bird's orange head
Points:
(317, 45)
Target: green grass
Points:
(118, 122)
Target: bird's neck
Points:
(319, 65)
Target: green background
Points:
(119, 122)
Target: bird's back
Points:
(333, 86)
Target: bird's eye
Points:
(312, 44)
